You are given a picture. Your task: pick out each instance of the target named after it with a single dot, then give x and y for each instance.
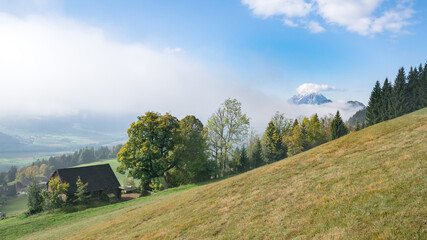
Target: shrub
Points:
(35, 199)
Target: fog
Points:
(59, 67)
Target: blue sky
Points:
(257, 51)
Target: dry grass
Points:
(371, 184)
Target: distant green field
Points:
(15, 205)
(6, 163)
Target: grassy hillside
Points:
(371, 184)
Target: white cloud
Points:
(59, 66)
(54, 66)
(308, 88)
(289, 8)
(365, 17)
(315, 27)
(174, 50)
(290, 23)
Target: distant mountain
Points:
(311, 98)
(9, 143)
(60, 134)
(358, 117)
(356, 104)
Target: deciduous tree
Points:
(226, 127)
(55, 196)
(193, 164)
(148, 153)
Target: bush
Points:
(35, 199)
(53, 197)
(157, 185)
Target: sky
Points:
(61, 58)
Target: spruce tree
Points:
(411, 90)
(423, 88)
(80, 193)
(385, 104)
(420, 94)
(275, 147)
(243, 164)
(399, 95)
(338, 128)
(373, 109)
(256, 155)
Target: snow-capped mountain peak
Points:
(309, 98)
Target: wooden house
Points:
(100, 178)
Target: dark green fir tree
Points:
(256, 156)
(373, 114)
(338, 128)
(399, 95)
(385, 104)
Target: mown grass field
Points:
(371, 184)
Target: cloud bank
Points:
(365, 17)
(56, 66)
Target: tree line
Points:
(407, 94)
(175, 152)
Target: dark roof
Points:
(98, 177)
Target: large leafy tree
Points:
(338, 128)
(190, 151)
(226, 128)
(148, 153)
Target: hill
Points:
(358, 117)
(370, 184)
(9, 143)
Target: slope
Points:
(367, 185)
